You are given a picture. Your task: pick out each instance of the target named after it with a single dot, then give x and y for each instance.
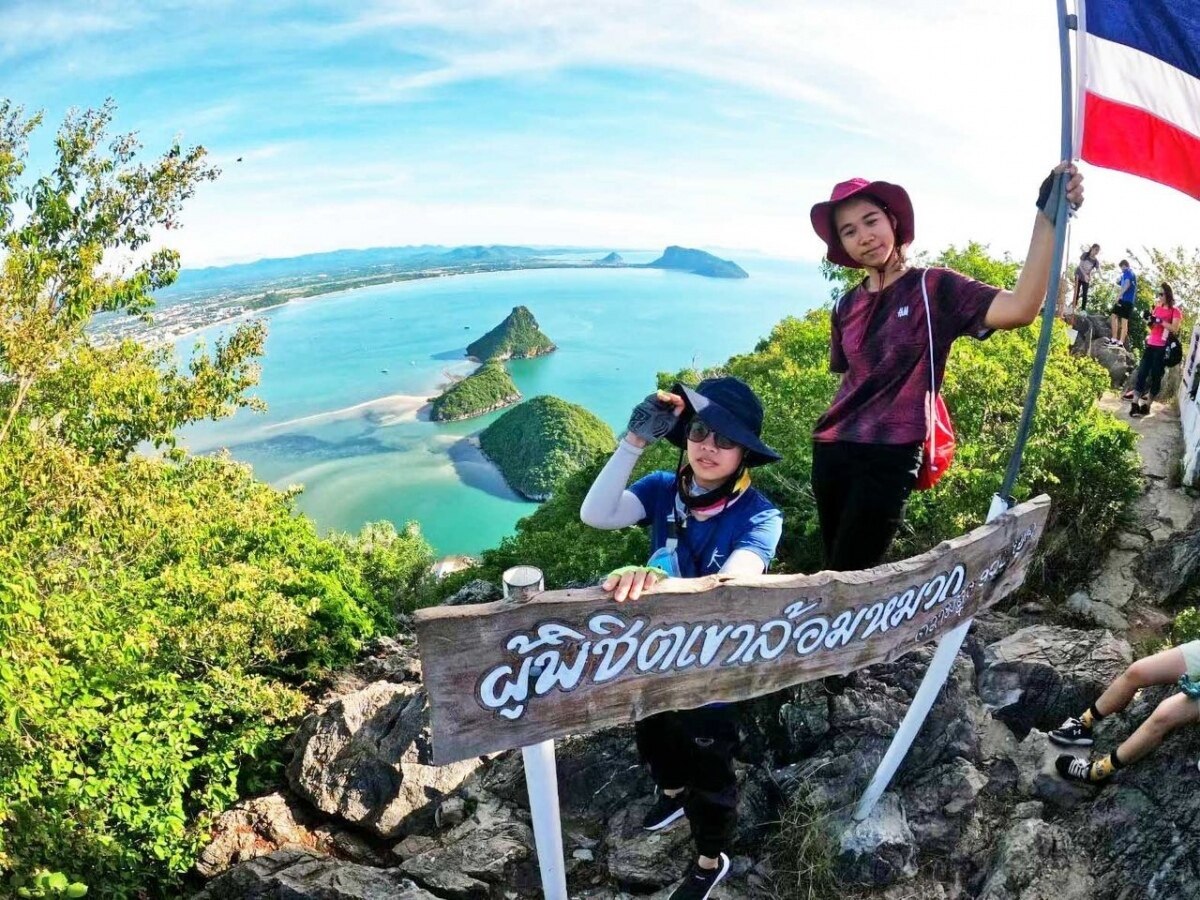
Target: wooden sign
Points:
(503, 675)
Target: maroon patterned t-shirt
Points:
(881, 345)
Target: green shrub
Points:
(488, 388)
(158, 623)
(803, 851)
(537, 444)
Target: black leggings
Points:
(861, 490)
(1151, 369)
(693, 748)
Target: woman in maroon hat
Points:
(867, 446)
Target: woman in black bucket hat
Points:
(704, 518)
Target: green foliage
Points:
(973, 260)
(65, 256)
(1187, 626)
(488, 388)
(159, 618)
(517, 337)
(803, 851)
(543, 440)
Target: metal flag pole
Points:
(948, 646)
(541, 772)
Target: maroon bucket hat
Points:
(894, 199)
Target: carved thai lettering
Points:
(549, 634)
(611, 665)
(513, 691)
(686, 656)
(747, 633)
(714, 637)
(810, 634)
(556, 673)
(660, 643)
(761, 648)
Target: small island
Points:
(517, 337)
(613, 259)
(698, 262)
(537, 444)
(488, 388)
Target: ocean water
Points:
(344, 375)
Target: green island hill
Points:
(698, 262)
(488, 388)
(517, 337)
(542, 441)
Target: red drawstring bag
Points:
(939, 445)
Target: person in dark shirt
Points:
(867, 446)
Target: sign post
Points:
(541, 773)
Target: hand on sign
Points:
(1047, 200)
(629, 582)
(653, 418)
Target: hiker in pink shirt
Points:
(1165, 321)
(867, 447)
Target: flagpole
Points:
(948, 646)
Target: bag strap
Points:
(930, 408)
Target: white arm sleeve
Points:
(607, 504)
(743, 562)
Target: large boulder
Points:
(491, 848)
(1170, 570)
(880, 849)
(1042, 674)
(1037, 861)
(256, 828)
(302, 875)
(366, 758)
(639, 860)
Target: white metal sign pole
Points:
(541, 773)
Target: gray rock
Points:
(881, 849)
(1036, 861)
(1096, 613)
(639, 860)
(366, 759)
(1171, 570)
(1127, 540)
(1116, 360)
(256, 828)
(938, 805)
(302, 875)
(1037, 776)
(477, 591)
(414, 845)
(1040, 675)
(1117, 579)
(486, 849)
(450, 812)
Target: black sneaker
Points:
(698, 883)
(1072, 768)
(665, 811)
(1072, 733)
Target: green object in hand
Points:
(627, 570)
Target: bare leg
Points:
(1161, 668)
(1174, 712)
(1124, 330)
(1114, 328)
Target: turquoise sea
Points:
(344, 375)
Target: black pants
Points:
(1081, 292)
(861, 490)
(694, 748)
(1150, 370)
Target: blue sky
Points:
(612, 124)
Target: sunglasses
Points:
(698, 431)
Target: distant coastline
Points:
(174, 321)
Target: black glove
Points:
(1048, 193)
(652, 419)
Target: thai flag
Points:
(1139, 89)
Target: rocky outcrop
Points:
(1042, 674)
(366, 758)
(303, 875)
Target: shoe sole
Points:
(669, 820)
(1071, 742)
(720, 876)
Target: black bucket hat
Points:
(728, 406)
